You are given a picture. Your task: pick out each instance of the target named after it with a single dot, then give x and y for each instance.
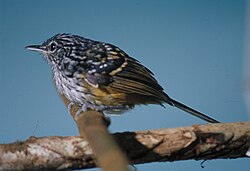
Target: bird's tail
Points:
(191, 111)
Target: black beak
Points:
(37, 48)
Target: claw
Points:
(70, 106)
(78, 112)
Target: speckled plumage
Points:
(101, 76)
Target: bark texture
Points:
(199, 142)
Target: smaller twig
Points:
(92, 125)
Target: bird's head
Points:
(60, 47)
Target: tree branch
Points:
(199, 142)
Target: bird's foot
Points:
(70, 106)
(102, 108)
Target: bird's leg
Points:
(84, 107)
(87, 106)
(102, 108)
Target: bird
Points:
(96, 75)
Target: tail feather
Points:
(191, 111)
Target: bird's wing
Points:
(115, 71)
(137, 80)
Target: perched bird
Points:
(100, 76)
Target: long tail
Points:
(191, 111)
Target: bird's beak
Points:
(37, 48)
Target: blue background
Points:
(194, 48)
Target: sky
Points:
(194, 48)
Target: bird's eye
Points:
(53, 46)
